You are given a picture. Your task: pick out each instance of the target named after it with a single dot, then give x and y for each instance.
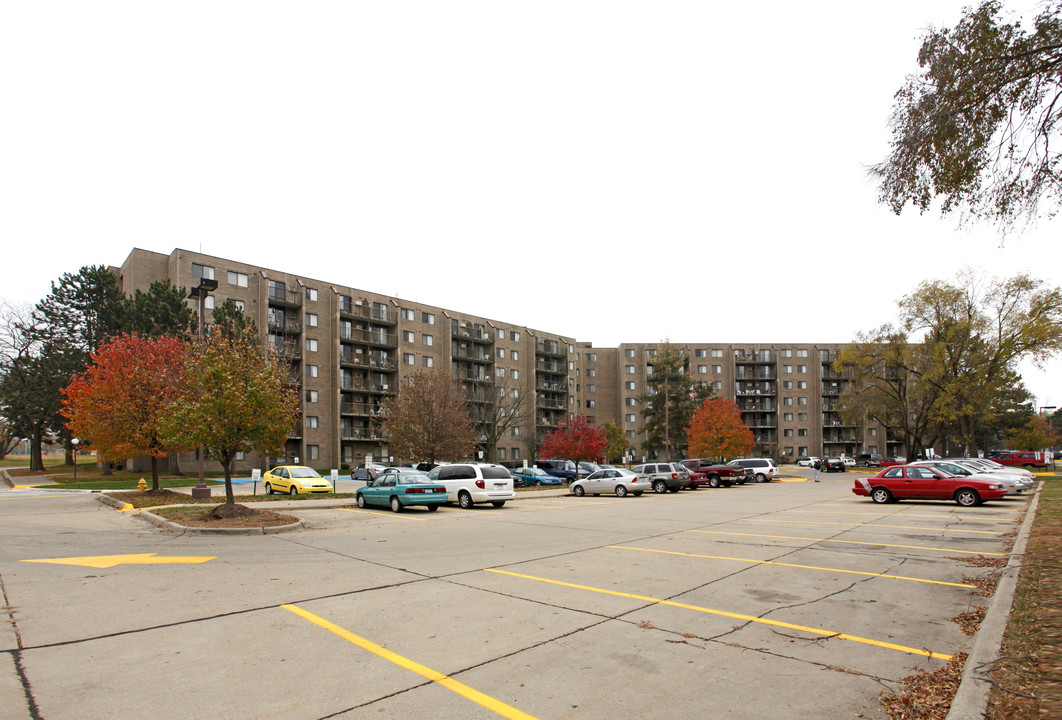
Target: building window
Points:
(501, 353)
(514, 336)
(629, 352)
(591, 404)
(802, 368)
(208, 303)
(427, 318)
(409, 336)
(313, 452)
(312, 422)
(802, 417)
(802, 401)
(702, 369)
(717, 369)
(872, 432)
(311, 371)
(788, 451)
(428, 361)
(514, 354)
(591, 357)
(788, 417)
(824, 356)
(802, 353)
(787, 401)
(311, 396)
(311, 319)
(237, 279)
(311, 294)
(591, 372)
(631, 418)
(786, 353)
(629, 369)
(409, 358)
(788, 432)
(630, 385)
(630, 402)
(500, 372)
(591, 388)
(787, 384)
(717, 385)
(787, 368)
(700, 353)
(717, 353)
(516, 432)
(802, 432)
(802, 384)
(514, 374)
(803, 451)
(311, 345)
(239, 305)
(407, 314)
(427, 339)
(201, 272)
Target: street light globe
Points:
(75, 442)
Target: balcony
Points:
(351, 308)
(359, 434)
(360, 409)
(288, 328)
(550, 387)
(473, 354)
(551, 347)
(289, 298)
(287, 350)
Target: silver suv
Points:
(664, 476)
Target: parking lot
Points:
(790, 599)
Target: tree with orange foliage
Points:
(575, 439)
(117, 404)
(716, 431)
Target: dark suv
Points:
(557, 468)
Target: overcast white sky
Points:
(613, 171)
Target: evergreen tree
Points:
(670, 400)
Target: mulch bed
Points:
(220, 516)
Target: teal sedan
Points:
(400, 488)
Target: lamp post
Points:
(1050, 428)
(74, 442)
(205, 287)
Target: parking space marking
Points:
(982, 510)
(383, 514)
(492, 704)
(852, 542)
(859, 524)
(882, 514)
(793, 565)
(736, 616)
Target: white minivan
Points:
(471, 483)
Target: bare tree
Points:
(497, 410)
(429, 418)
(15, 343)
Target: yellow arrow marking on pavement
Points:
(109, 561)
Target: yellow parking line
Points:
(384, 514)
(895, 527)
(895, 515)
(492, 704)
(792, 565)
(737, 616)
(851, 542)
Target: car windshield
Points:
(303, 472)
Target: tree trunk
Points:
(229, 497)
(154, 472)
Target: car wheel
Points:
(713, 481)
(621, 491)
(637, 493)
(268, 489)
(361, 501)
(464, 499)
(761, 478)
(396, 504)
(660, 487)
(498, 503)
(293, 490)
(881, 495)
(967, 497)
(578, 491)
(433, 508)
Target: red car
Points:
(926, 483)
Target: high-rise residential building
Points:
(351, 349)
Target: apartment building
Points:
(351, 349)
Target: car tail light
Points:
(415, 490)
(674, 476)
(480, 484)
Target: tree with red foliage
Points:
(118, 403)
(575, 439)
(716, 431)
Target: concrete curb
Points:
(971, 698)
(187, 530)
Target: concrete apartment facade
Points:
(352, 348)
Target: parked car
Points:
(834, 465)
(470, 483)
(1019, 458)
(663, 476)
(588, 468)
(807, 461)
(400, 488)
(533, 476)
(985, 465)
(1012, 483)
(367, 471)
(763, 469)
(848, 461)
(295, 479)
(714, 474)
(869, 459)
(564, 469)
(921, 481)
(893, 460)
(613, 480)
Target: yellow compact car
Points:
(295, 479)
